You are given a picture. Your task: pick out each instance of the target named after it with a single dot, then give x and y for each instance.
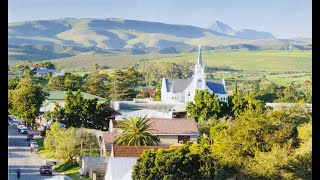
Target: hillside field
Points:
(279, 66)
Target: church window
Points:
(188, 93)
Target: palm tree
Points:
(137, 133)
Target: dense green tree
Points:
(58, 112)
(86, 113)
(13, 82)
(137, 133)
(102, 117)
(153, 71)
(73, 109)
(26, 100)
(299, 166)
(119, 86)
(308, 91)
(135, 76)
(56, 83)
(94, 84)
(157, 93)
(27, 72)
(252, 101)
(48, 65)
(190, 161)
(206, 106)
(73, 82)
(145, 167)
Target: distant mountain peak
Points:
(220, 27)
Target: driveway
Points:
(19, 156)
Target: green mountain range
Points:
(53, 39)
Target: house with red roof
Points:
(170, 132)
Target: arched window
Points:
(199, 84)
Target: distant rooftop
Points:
(61, 95)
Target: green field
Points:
(257, 61)
(282, 67)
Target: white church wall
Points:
(164, 91)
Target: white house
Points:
(183, 90)
(120, 168)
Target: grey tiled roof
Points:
(179, 85)
(216, 86)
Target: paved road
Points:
(19, 156)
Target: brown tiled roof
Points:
(173, 126)
(149, 90)
(133, 151)
(108, 139)
(169, 126)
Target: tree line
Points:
(249, 142)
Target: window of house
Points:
(183, 139)
(188, 93)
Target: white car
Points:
(20, 126)
(34, 145)
(32, 141)
(24, 130)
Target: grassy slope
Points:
(87, 60)
(268, 61)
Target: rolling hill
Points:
(62, 38)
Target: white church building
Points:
(183, 90)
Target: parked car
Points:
(32, 141)
(30, 137)
(52, 163)
(19, 126)
(24, 130)
(33, 144)
(45, 170)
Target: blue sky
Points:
(283, 18)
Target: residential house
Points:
(134, 151)
(120, 168)
(41, 71)
(169, 131)
(94, 164)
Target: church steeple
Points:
(199, 78)
(199, 57)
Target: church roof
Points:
(216, 86)
(179, 85)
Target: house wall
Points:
(164, 91)
(99, 167)
(168, 140)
